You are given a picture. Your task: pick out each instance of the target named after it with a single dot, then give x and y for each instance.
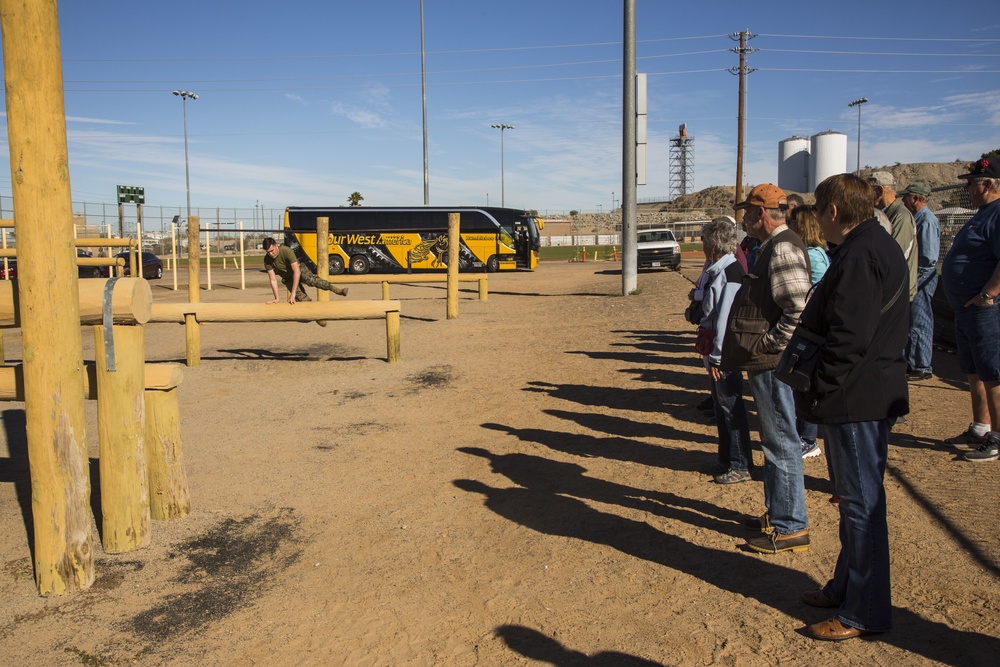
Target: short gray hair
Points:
(720, 234)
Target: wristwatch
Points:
(985, 297)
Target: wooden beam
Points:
(308, 311)
(131, 301)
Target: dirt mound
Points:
(935, 174)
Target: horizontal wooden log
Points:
(309, 311)
(162, 377)
(404, 278)
(131, 301)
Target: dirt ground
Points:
(525, 487)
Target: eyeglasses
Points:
(977, 181)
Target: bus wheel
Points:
(493, 264)
(336, 265)
(360, 265)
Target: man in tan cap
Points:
(904, 229)
(762, 318)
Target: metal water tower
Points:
(681, 163)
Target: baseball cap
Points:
(766, 195)
(882, 179)
(916, 188)
(984, 168)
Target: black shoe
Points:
(918, 376)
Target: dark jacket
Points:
(754, 311)
(861, 375)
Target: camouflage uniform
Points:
(282, 267)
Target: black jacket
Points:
(861, 375)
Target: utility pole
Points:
(630, 260)
(743, 50)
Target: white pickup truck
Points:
(657, 248)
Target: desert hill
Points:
(935, 174)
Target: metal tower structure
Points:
(681, 163)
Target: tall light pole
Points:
(857, 103)
(184, 95)
(502, 127)
(423, 94)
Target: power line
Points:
(378, 55)
(886, 53)
(890, 39)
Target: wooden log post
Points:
(323, 255)
(385, 290)
(484, 290)
(52, 342)
(168, 488)
(192, 335)
(392, 339)
(454, 239)
(121, 420)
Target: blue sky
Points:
(302, 103)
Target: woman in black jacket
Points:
(858, 390)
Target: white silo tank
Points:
(793, 164)
(827, 156)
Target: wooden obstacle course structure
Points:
(309, 311)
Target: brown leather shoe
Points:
(775, 542)
(834, 631)
(818, 599)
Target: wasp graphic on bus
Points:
(365, 239)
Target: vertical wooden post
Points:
(454, 239)
(121, 417)
(208, 261)
(243, 261)
(385, 290)
(484, 292)
(168, 489)
(50, 324)
(173, 250)
(323, 255)
(392, 336)
(192, 334)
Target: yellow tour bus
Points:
(366, 239)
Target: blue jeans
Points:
(856, 452)
(784, 489)
(734, 427)
(807, 430)
(921, 343)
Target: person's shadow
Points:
(536, 646)
(757, 577)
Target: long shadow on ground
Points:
(760, 578)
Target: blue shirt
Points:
(819, 261)
(973, 256)
(928, 240)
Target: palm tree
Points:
(355, 199)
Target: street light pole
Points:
(857, 103)
(184, 95)
(502, 127)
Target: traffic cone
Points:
(584, 253)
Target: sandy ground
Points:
(525, 487)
